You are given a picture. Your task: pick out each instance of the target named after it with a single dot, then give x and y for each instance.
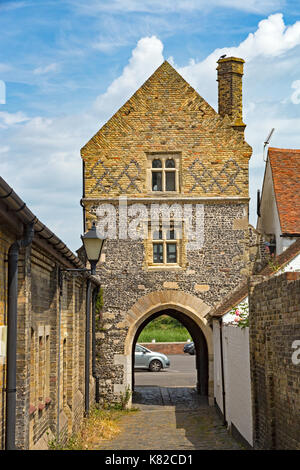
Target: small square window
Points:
(163, 173)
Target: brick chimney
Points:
(230, 73)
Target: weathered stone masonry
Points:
(167, 118)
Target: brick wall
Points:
(274, 326)
(40, 343)
(167, 115)
(165, 348)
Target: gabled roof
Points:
(285, 166)
(163, 90)
(239, 294)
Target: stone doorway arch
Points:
(190, 310)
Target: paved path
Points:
(171, 419)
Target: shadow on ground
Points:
(192, 423)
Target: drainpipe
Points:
(87, 339)
(60, 280)
(87, 348)
(12, 321)
(95, 293)
(222, 373)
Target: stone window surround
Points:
(163, 156)
(164, 241)
(149, 247)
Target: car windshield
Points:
(139, 348)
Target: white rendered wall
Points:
(268, 222)
(236, 358)
(294, 265)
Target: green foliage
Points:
(99, 302)
(124, 399)
(98, 309)
(164, 329)
(72, 443)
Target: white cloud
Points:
(145, 58)
(295, 98)
(46, 69)
(271, 39)
(10, 119)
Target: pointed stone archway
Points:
(189, 309)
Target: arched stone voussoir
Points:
(154, 302)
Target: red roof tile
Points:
(285, 165)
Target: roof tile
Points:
(285, 165)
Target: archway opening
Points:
(197, 336)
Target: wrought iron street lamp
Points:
(93, 246)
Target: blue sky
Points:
(68, 65)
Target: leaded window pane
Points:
(170, 180)
(171, 234)
(157, 235)
(171, 253)
(156, 163)
(158, 253)
(170, 163)
(156, 181)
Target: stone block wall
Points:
(275, 372)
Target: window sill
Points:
(164, 267)
(163, 193)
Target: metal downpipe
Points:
(12, 321)
(94, 299)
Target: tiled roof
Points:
(241, 292)
(285, 165)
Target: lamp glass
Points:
(92, 244)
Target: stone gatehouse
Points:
(167, 145)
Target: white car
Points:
(146, 359)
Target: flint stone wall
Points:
(211, 273)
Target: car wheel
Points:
(155, 365)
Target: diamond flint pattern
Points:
(109, 180)
(201, 178)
